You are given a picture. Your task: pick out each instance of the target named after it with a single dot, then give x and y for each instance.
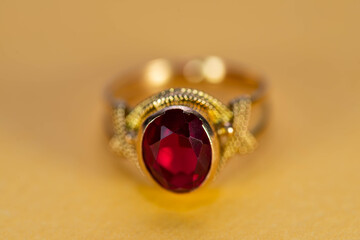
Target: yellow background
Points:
(59, 181)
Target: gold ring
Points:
(180, 135)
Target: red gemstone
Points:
(177, 151)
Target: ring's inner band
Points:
(210, 75)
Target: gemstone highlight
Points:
(176, 150)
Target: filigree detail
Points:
(217, 112)
(237, 141)
(242, 140)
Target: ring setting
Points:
(181, 137)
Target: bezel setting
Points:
(207, 127)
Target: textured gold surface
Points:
(217, 112)
(122, 142)
(240, 140)
(58, 180)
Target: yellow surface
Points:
(59, 181)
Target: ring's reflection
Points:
(179, 202)
(165, 199)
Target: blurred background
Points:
(58, 179)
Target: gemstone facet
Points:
(176, 150)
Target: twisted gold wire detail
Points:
(231, 122)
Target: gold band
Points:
(211, 75)
(183, 88)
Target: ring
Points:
(165, 119)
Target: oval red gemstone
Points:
(176, 150)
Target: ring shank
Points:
(211, 75)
